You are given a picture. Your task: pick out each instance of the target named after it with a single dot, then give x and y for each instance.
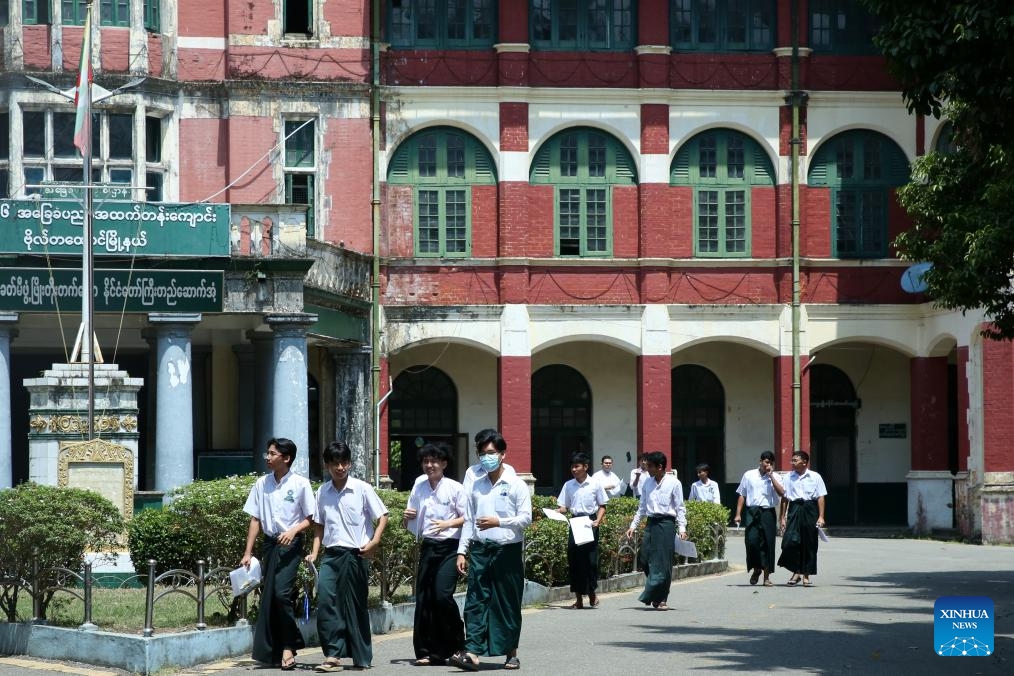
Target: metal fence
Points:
(391, 573)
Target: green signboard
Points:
(122, 228)
(40, 290)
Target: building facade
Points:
(584, 215)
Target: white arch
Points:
(595, 338)
(459, 341)
(813, 147)
(881, 341)
(470, 129)
(752, 343)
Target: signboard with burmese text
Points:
(118, 228)
(41, 290)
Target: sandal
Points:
(662, 606)
(769, 583)
(594, 601)
(463, 660)
(755, 576)
(329, 667)
(512, 663)
(288, 663)
(807, 583)
(575, 606)
(422, 662)
(793, 581)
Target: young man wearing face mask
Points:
(476, 471)
(498, 508)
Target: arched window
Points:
(598, 24)
(722, 25)
(561, 422)
(945, 139)
(861, 168)
(443, 164)
(698, 422)
(443, 24)
(583, 164)
(424, 401)
(721, 165)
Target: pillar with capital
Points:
(290, 408)
(7, 334)
(174, 428)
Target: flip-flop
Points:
(594, 602)
(662, 606)
(769, 583)
(807, 583)
(288, 664)
(575, 606)
(328, 667)
(755, 576)
(462, 660)
(512, 663)
(793, 581)
(422, 662)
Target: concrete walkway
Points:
(870, 612)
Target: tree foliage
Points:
(955, 59)
(57, 524)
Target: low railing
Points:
(392, 574)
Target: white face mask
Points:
(490, 461)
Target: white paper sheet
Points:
(686, 548)
(244, 580)
(553, 514)
(822, 535)
(582, 529)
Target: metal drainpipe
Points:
(376, 333)
(796, 97)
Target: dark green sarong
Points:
(276, 627)
(656, 554)
(496, 582)
(343, 619)
(760, 527)
(799, 541)
(438, 631)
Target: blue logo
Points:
(963, 626)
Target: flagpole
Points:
(84, 141)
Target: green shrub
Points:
(203, 520)
(60, 524)
(700, 517)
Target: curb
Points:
(148, 655)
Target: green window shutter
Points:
(485, 173)
(625, 172)
(763, 172)
(541, 164)
(680, 174)
(397, 170)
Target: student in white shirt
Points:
(583, 496)
(497, 511)
(803, 503)
(760, 490)
(704, 489)
(611, 482)
(662, 502)
(343, 525)
(638, 475)
(477, 471)
(280, 504)
(435, 513)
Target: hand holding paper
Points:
(243, 579)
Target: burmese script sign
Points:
(123, 228)
(40, 290)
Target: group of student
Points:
(476, 529)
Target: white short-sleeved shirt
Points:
(583, 498)
(610, 479)
(509, 500)
(446, 501)
(663, 498)
(280, 505)
(806, 486)
(348, 515)
(635, 484)
(705, 492)
(477, 471)
(757, 490)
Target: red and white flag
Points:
(83, 95)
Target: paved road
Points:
(870, 612)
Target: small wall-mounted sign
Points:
(893, 431)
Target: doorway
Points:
(833, 406)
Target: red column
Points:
(997, 413)
(928, 401)
(783, 411)
(654, 404)
(514, 385)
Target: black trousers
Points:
(583, 562)
(761, 526)
(438, 631)
(276, 628)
